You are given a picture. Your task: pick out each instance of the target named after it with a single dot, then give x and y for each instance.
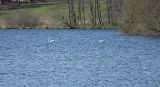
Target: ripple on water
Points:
(77, 59)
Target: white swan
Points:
(50, 40)
(100, 41)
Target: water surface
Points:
(78, 59)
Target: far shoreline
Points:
(58, 28)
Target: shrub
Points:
(140, 16)
(27, 20)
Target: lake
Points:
(78, 58)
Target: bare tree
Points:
(95, 12)
(99, 12)
(18, 3)
(4, 2)
(80, 11)
(83, 8)
(90, 2)
(110, 11)
(72, 14)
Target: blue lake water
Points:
(77, 59)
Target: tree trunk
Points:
(95, 12)
(91, 11)
(110, 11)
(99, 12)
(79, 11)
(84, 18)
(72, 14)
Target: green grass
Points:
(51, 11)
(45, 9)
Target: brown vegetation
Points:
(22, 20)
(27, 20)
(140, 17)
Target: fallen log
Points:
(156, 30)
(70, 25)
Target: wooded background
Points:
(129, 16)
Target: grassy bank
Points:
(43, 15)
(46, 15)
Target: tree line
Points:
(77, 16)
(18, 2)
(5, 2)
(130, 16)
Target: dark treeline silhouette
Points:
(5, 2)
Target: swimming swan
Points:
(50, 40)
(100, 41)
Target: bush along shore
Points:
(128, 16)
